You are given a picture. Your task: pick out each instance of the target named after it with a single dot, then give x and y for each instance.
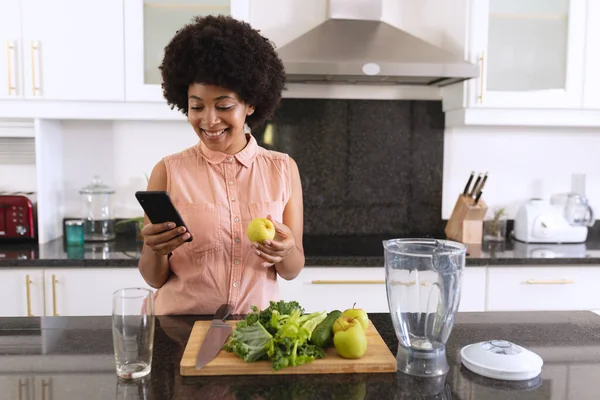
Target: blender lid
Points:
(501, 359)
(97, 187)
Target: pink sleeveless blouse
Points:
(218, 195)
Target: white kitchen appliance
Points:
(539, 221)
(501, 359)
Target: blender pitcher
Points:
(423, 283)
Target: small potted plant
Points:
(139, 221)
(139, 225)
(494, 229)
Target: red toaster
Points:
(16, 218)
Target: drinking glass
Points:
(133, 331)
(423, 283)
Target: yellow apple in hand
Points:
(359, 314)
(260, 229)
(350, 340)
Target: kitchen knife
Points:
(480, 188)
(466, 191)
(473, 191)
(215, 338)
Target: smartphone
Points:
(159, 208)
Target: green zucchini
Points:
(323, 334)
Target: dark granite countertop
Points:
(72, 357)
(322, 251)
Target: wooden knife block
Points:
(465, 225)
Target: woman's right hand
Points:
(165, 237)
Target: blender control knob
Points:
(21, 230)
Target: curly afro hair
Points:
(225, 52)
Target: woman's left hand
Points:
(276, 250)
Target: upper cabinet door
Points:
(591, 97)
(11, 78)
(150, 25)
(73, 49)
(531, 53)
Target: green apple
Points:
(260, 229)
(342, 323)
(358, 313)
(350, 341)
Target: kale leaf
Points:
(280, 333)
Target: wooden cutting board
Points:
(377, 359)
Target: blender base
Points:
(422, 363)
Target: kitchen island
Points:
(71, 358)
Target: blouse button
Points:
(230, 182)
(234, 284)
(238, 240)
(237, 261)
(236, 219)
(229, 159)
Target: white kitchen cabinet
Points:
(86, 291)
(97, 386)
(330, 288)
(537, 63)
(583, 381)
(472, 296)
(22, 292)
(11, 76)
(62, 50)
(543, 288)
(90, 386)
(72, 50)
(591, 94)
(15, 386)
(150, 25)
(531, 53)
(319, 288)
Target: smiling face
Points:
(217, 116)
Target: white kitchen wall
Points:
(522, 163)
(121, 152)
(18, 178)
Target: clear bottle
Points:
(97, 211)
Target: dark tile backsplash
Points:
(369, 168)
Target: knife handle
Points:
(466, 189)
(475, 185)
(223, 312)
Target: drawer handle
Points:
(54, 282)
(28, 282)
(347, 282)
(549, 281)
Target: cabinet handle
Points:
(54, 282)
(548, 281)
(28, 283)
(9, 48)
(482, 78)
(347, 282)
(21, 386)
(33, 48)
(44, 386)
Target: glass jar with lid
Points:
(97, 209)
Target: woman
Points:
(227, 79)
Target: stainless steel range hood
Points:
(355, 46)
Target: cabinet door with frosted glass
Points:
(531, 53)
(150, 25)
